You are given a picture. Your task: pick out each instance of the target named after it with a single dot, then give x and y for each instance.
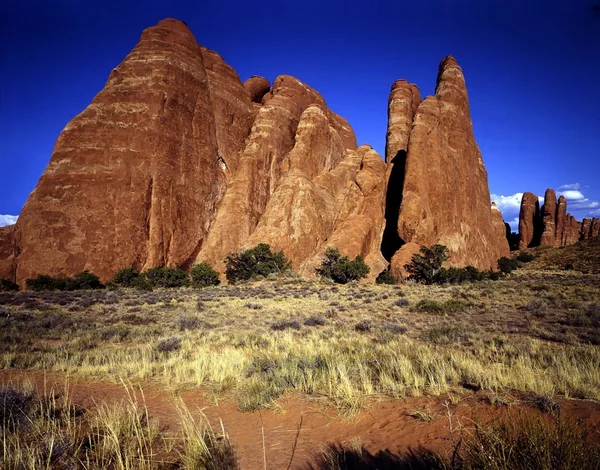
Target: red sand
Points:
(293, 436)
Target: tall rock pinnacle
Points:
(444, 195)
(549, 213)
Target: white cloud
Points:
(510, 207)
(572, 195)
(508, 203)
(566, 187)
(7, 219)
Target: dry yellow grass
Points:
(343, 343)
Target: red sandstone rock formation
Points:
(7, 252)
(561, 221)
(548, 214)
(257, 87)
(595, 227)
(176, 161)
(501, 229)
(572, 231)
(403, 103)
(586, 229)
(528, 220)
(444, 194)
(294, 130)
(136, 178)
(553, 226)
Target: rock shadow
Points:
(337, 457)
(391, 241)
(538, 225)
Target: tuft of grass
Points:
(530, 442)
(363, 326)
(424, 414)
(450, 306)
(48, 432)
(445, 334)
(168, 345)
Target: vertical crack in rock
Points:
(391, 241)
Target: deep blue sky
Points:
(532, 70)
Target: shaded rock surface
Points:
(529, 218)
(257, 87)
(176, 161)
(549, 219)
(7, 252)
(561, 221)
(595, 231)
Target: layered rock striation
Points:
(176, 161)
(551, 225)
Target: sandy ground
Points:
(299, 427)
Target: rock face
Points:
(552, 226)
(294, 134)
(595, 231)
(572, 230)
(561, 221)
(549, 219)
(444, 197)
(403, 103)
(529, 221)
(7, 252)
(257, 87)
(586, 228)
(176, 161)
(136, 178)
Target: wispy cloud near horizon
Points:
(566, 187)
(6, 219)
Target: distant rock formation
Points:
(552, 225)
(444, 195)
(176, 161)
(529, 218)
(549, 214)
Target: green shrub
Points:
(203, 275)
(507, 265)
(449, 306)
(41, 282)
(460, 275)
(525, 257)
(124, 277)
(385, 277)
(255, 262)
(445, 334)
(166, 277)
(83, 280)
(141, 283)
(340, 269)
(425, 266)
(8, 285)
